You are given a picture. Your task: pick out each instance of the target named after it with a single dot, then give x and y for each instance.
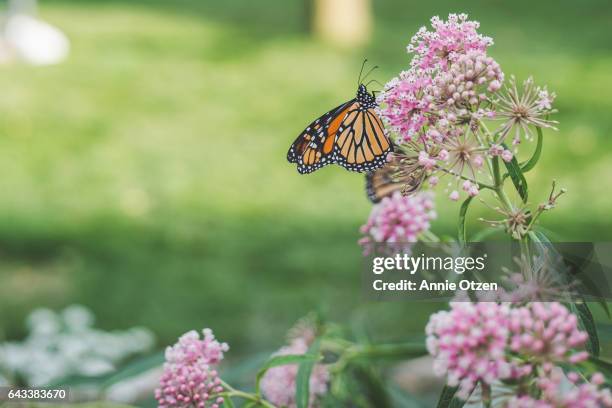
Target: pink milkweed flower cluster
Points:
(449, 39)
(488, 341)
(279, 383)
(469, 344)
(546, 332)
(558, 390)
(406, 93)
(190, 378)
(438, 108)
(399, 219)
(465, 83)
(447, 81)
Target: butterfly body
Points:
(350, 135)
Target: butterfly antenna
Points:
(361, 71)
(375, 81)
(369, 72)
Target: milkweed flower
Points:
(278, 384)
(560, 391)
(468, 344)
(546, 332)
(435, 108)
(516, 220)
(541, 279)
(448, 40)
(464, 86)
(520, 109)
(448, 79)
(489, 341)
(190, 378)
(403, 104)
(399, 219)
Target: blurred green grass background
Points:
(146, 177)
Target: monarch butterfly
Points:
(351, 135)
(402, 173)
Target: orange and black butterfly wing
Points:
(380, 184)
(314, 147)
(362, 144)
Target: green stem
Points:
(493, 164)
(400, 351)
(534, 219)
(486, 394)
(336, 345)
(484, 126)
(232, 392)
(499, 185)
(503, 198)
(430, 236)
(525, 250)
(480, 184)
(487, 159)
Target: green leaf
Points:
(462, 234)
(587, 322)
(276, 361)
(448, 398)
(371, 386)
(358, 327)
(530, 164)
(401, 351)
(605, 367)
(577, 263)
(541, 240)
(401, 398)
(302, 380)
(517, 177)
(227, 402)
(552, 236)
(485, 233)
(243, 371)
(605, 332)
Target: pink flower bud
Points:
(494, 86)
(507, 156)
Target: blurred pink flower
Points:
(559, 391)
(278, 384)
(399, 219)
(507, 156)
(545, 99)
(189, 378)
(470, 188)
